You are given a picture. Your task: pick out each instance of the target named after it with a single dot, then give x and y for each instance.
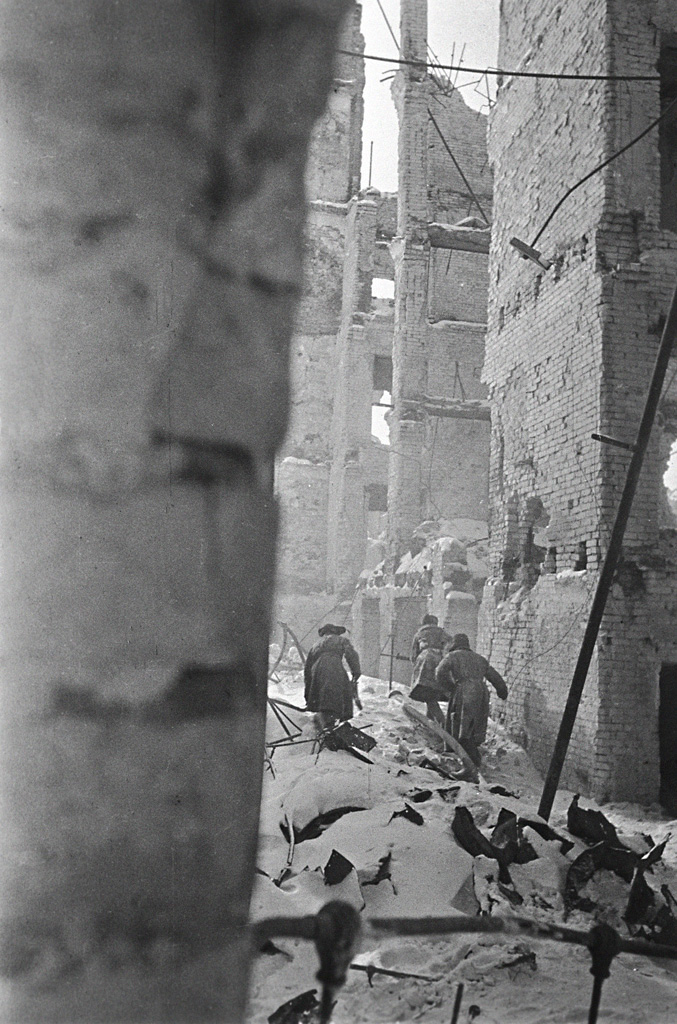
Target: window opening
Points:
(379, 424)
(670, 482)
(383, 373)
(382, 288)
(377, 497)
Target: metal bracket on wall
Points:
(612, 440)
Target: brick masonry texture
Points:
(570, 351)
(434, 330)
(151, 255)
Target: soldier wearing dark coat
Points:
(461, 673)
(426, 653)
(328, 689)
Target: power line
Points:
(498, 72)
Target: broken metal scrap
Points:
(409, 814)
(441, 733)
(337, 868)
(296, 1010)
(590, 825)
(371, 969)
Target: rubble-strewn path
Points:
(385, 830)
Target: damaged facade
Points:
(570, 352)
(340, 488)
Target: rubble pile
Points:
(446, 556)
(394, 834)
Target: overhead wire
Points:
(500, 72)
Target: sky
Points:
(469, 30)
(452, 25)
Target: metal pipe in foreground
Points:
(305, 928)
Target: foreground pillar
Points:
(151, 262)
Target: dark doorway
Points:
(667, 736)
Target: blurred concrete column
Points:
(151, 261)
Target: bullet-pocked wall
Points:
(153, 183)
(570, 352)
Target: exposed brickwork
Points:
(434, 333)
(569, 352)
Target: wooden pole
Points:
(610, 562)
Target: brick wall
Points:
(335, 152)
(570, 351)
(465, 132)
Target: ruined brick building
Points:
(424, 349)
(569, 352)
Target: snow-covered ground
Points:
(508, 980)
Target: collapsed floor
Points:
(394, 837)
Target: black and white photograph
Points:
(338, 514)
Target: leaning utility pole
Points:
(610, 562)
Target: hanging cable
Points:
(661, 117)
(498, 72)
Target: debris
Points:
(578, 875)
(434, 767)
(512, 896)
(656, 852)
(620, 860)
(300, 1010)
(502, 791)
(337, 868)
(410, 814)
(371, 969)
(382, 872)
(644, 909)
(348, 737)
(315, 827)
(442, 734)
(449, 794)
(419, 796)
(546, 832)
(489, 892)
(469, 836)
(290, 837)
(476, 844)
(641, 901)
(591, 826)
(521, 954)
(507, 836)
